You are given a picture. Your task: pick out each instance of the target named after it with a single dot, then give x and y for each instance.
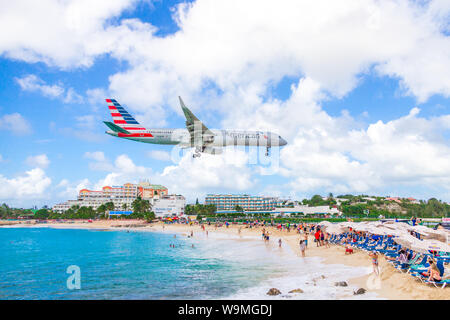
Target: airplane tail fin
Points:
(121, 118)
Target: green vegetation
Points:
(358, 207)
(317, 200)
(200, 209)
(141, 210)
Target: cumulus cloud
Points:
(331, 153)
(67, 190)
(196, 177)
(66, 34)
(40, 161)
(159, 155)
(33, 83)
(96, 155)
(329, 42)
(15, 123)
(124, 170)
(32, 184)
(100, 163)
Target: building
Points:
(309, 210)
(246, 202)
(121, 196)
(395, 199)
(169, 205)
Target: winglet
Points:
(181, 102)
(190, 117)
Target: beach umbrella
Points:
(325, 223)
(431, 245)
(363, 227)
(333, 229)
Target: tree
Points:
(238, 208)
(109, 206)
(141, 206)
(101, 211)
(42, 214)
(316, 200)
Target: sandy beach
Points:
(391, 284)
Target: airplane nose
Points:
(282, 142)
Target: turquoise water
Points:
(126, 265)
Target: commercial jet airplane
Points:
(195, 135)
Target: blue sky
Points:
(364, 106)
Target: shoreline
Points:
(391, 284)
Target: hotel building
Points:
(246, 202)
(169, 205)
(121, 196)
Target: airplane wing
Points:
(200, 134)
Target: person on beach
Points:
(348, 248)
(433, 272)
(279, 243)
(317, 237)
(374, 256)
(305, 238)
(327, 236)
(302, 247)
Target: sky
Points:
(360, 90)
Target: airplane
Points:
(196, 134)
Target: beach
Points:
(391, 284)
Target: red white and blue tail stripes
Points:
(122, 118)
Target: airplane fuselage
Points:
(222, 138)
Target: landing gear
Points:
(267, 151)
(198, 152)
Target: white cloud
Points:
(196, 177)
(60, 33)
(40, 161)
(332, 153)
(15, 123)
(70, 190)
(32, 184)
(332, 43)
(96, 155)
(96, 97)
(159, 155)
(100, 163)
(33, 83)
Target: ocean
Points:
(143, 265)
